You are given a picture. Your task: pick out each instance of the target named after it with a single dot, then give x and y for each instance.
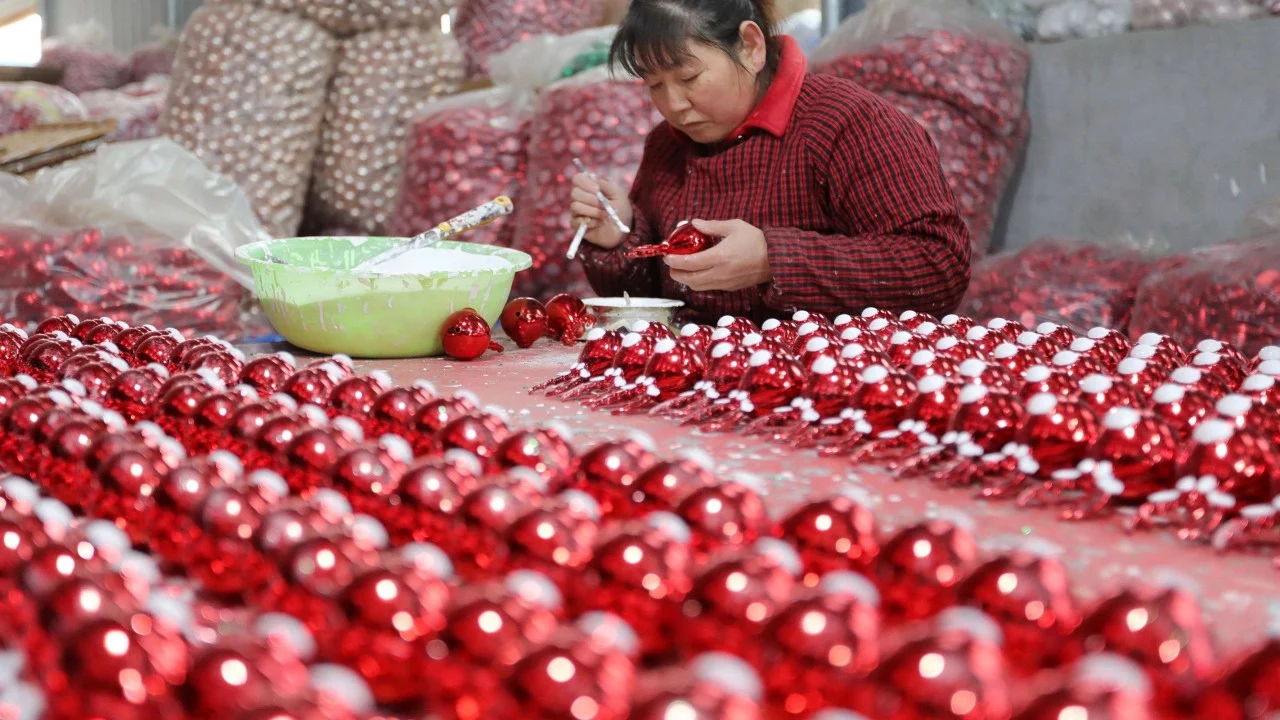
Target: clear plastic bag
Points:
(1266, 217)
(27, 104)
(1162, 14)
(383, 80)
(155, 57)
(937, 58)
(141, 232)
(463, 151)
(1068, 281)
(349, 17)
(539, 61)
(487, 27)
(248, 97)
(136, 108)
(1084, 19)
(600, 119)
(1229, 292)
(85, 57)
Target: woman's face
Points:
(710, 95)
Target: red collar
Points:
(773, 113)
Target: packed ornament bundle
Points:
(135, 107)
(381, 81)
(463, 151)
(960, 74)
(1160, 435)
(1053, 20)
(27, 104)
(487, 27)
(599, 119)
(248, 98)
(197, 534)
(1065, 281)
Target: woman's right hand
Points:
(587, 208)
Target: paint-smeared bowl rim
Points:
(516, 259)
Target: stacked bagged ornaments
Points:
(960, 74)
(136, 108)
(382, 80)
(27, 104)
(487, 27)
(290, 565)
(251, 95)
(1061, 280)
(602, 120)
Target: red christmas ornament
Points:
(545, 451)
(714, 685)
(1100, 393)
(1160, 629)
(921, 566)
(429, 494)
(1212, 384)
(524, 320)
(821, 646)
(727, 514)
(684, 240)
(1243, 463)
(1103, 685)
(567, 318)
(267, 373)
(1140, 450)
(571, 673)
(989, 374)
(663, 486)
(1181, 407)
(1028, 595)
(1245, 689)
(466, 336)
(834, 534)
(734, 597)
(608, 471)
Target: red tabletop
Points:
(1238, 591)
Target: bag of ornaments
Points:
(141, 232)
(248, 96)
(1065, 19)
(86, 59)
(463, 151)
(487, 27)
(1228, 292)
(383, 80)
(960, 74)
(1266, 217)
(1067, 281)
(602, 120)
(136, 108)
(155, 57)
(1163, 14)
(27, 104)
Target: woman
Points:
(826, 197)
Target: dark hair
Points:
(655, 34)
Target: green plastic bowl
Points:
(315, 302)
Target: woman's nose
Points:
(677, 100)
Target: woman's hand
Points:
(740, 260)
(586, 208)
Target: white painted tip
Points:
(870, 312)
(596, 334)
(611, 631)
(972, 393)
(768, 325)
(1150, 338)
(721, 334)
(760, 358)
(534, 587)
(817, 344)
(721, 349)
(971, 621)
(1233, 406)
(1121, 418)
(1095, 384)
(725, 321)
(1213, 431)
(901, 337)
(1004, 351)
(1037, 373)
(343, 685)
(1131, 366)
(973, 367)
(926, 328)
(844, 582)
(875, 374)
(751, 339)
(923, 357)
(664, 346)
(1209, 346)
(878, 324)
(1258, 383)
(1042, 404)
(1065, 357)
(289, 631)
(1097, 333)
(946, 343)
(976, 333)
(670, 525)
(931, 383)
(824, 365)
(1169, 393)
(1269, 367)
(782, 553)
(1110, 670)
(852, 351)
(1186, 376)
(731, 674)
(631, 339)
(808, 328)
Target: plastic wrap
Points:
(595, 117)
(1266, 217)
(540, 60)
(135, 107)
(1084, 19)
(960, 73)
(1229, 292)
(1160, 14)
(248, 97)
(487, 27)
(806, 27)
(27, 104)
(1066, 281)
(383, 80)
(85, 57)
(462, 151)
(141, 232)
(155, 57)
(348, 17)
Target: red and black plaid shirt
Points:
(847, 189)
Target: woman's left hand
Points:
(740, 260)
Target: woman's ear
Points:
(754, 50)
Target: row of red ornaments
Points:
(922, 598)
(1092, 423)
